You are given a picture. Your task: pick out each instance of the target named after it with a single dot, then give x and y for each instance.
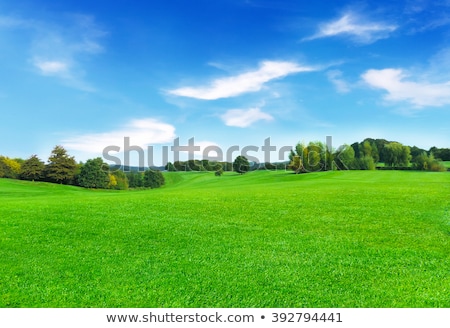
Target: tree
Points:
(32, 169)
(365, 149)
(94, 174)
(170, 167)
(366, 163)
(153, 179)
(375, 153)
(396, 155)
(312, 158)
(441, 153)
(427, 163)
(296, 164)
(112, 184)
(61, 167)
(416, 151)
(120, 179)
(135, 179)
(344, 158)
(9, 168)
(241, 165)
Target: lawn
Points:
(263, 239)
(446, 164)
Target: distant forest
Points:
(369, 154)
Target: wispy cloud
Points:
(58, 50)
(142, 132)
(334, 76)
(354, 26)
(419, 94)
(427, 15)
(51, 67)
(251, 81)
(243, 118)
(13, 22)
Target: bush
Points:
(118, 180)
(424, 162)
(153, 179)
(9, 168)
(366, 163)
(94, 174)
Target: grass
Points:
(446, 164)
(264, 239)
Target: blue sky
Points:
(86, 74)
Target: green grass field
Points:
(264, 239)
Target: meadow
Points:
(263, 239)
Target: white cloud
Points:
(51, 67)
(420, 94)
(357, 28)
(334, 77)
(243, 118)
(142, 132)
(251, 81)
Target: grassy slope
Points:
(265, 239)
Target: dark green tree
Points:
(32, 169)
(375, 153)
(61, 167)
(153, 179)
(135, 179)
(241, 165)
(170, 167)
(442, 154)
(94, 174)
(365, 149)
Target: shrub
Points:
(153, 179)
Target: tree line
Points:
(315, 156)
(366, 155)
(63, 169)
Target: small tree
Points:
(94, 174)
(395, 154)
(135, 179)
(61, 167)
(32, 169)
(241, 165)
(427, 163)
(153, 179)
(9, 168)
(120, 179)
(344, 158)
(112, 184)
(366, 163)
(296, 164)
